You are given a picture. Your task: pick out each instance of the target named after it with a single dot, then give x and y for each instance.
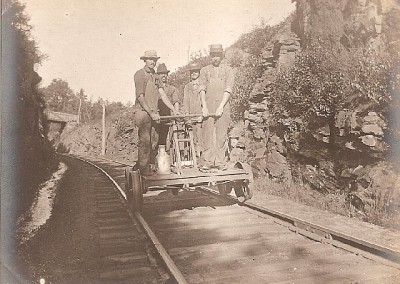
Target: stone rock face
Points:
(353, 128)
(374, 187)
(322, 134)
(369, 140)
(277, 166)
(336, 156)
(373, 129)
(288, 45)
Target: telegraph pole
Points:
(103, 136)
(79, 110)
(80, 105)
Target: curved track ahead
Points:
(210, 239)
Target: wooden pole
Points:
(103, 136)
(79, 110)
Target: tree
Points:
(26, 153)
(60, 97)
(323, 82)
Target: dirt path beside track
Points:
(70, 247)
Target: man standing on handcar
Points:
(148, 90)
(192, 105)
(216, 83)
(173, 96)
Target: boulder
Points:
(369, 140)
(276, 143)
(258, 133)
(259, 106)
(372, 129)
(375, 187)
(349, 145)
(277, 166)
(254, 118)
(258, 88)
(267, 54)
(372, 117)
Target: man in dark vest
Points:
(192, 105)
(173, 96)
(148, 91)
(216, 84)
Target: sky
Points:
(96, 44)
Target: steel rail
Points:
(329, 234)
(326, 235)
(311, 230)
(169, 263)
(174, 270)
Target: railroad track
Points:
(123, 249)
(203, 237)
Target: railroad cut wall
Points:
(357, 152)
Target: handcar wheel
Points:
(225, 188)
(243, 189)
(137, 194)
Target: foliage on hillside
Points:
(255, 41)
(60, 97)
(338, 68)
(334, 107)
(27, 157)
(26, 102)
(321, 83)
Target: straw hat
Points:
(149, 54)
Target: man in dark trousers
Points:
(172, 95)
(216, 84)
(148, 91)
(192, 105)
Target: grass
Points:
(335, 203)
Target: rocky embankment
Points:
(121, 138)
(358, 157)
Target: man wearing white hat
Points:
(148, 90)
(216, 83)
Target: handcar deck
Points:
(192, 176)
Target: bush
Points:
(322, 82)
(245, 78)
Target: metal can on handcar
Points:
(185, 172)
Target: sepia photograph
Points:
(198, 141)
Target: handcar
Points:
(184, 171)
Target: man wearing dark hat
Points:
(148, 90)
(172, 95)
(192, 104)
(216, 83)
